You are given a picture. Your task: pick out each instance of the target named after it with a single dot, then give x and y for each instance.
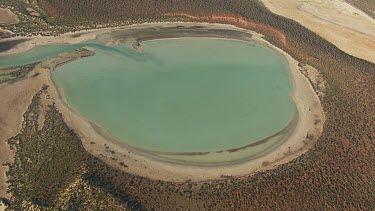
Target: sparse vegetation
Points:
(51, 168)
(16, 73)
(364, 5)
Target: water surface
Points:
(182, 95)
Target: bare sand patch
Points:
(7, 16)
(347, 27)
(32, 12)
(15, 98)
(2, 206)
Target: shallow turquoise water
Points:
(36, 54)
(182, 95)
(40, 53)
(179, 95)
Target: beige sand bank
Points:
(7, 17)
(310, 120)
(350, 29)
(15, 98)
(2, 206)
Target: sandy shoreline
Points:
(310, 119)
(71, 38)
(199, 159)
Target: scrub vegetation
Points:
(52, 170)
(12, 74)
(364, 5)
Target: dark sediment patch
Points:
(77, 35)
(144, 34)
(5, 201)
(7, 45)
(281, 136)
(5, 34)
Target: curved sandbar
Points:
(310, 120)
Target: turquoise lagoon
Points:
(178, 95)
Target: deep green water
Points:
(182, 95)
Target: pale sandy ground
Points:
(14, 102)
(69, 38)
(15, 98)
(7, 17)
(350, 29)
(63, 39)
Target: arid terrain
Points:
(48, 167)
(350, 29)
(7, 17)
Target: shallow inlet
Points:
(38, 53)
(184, 96)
